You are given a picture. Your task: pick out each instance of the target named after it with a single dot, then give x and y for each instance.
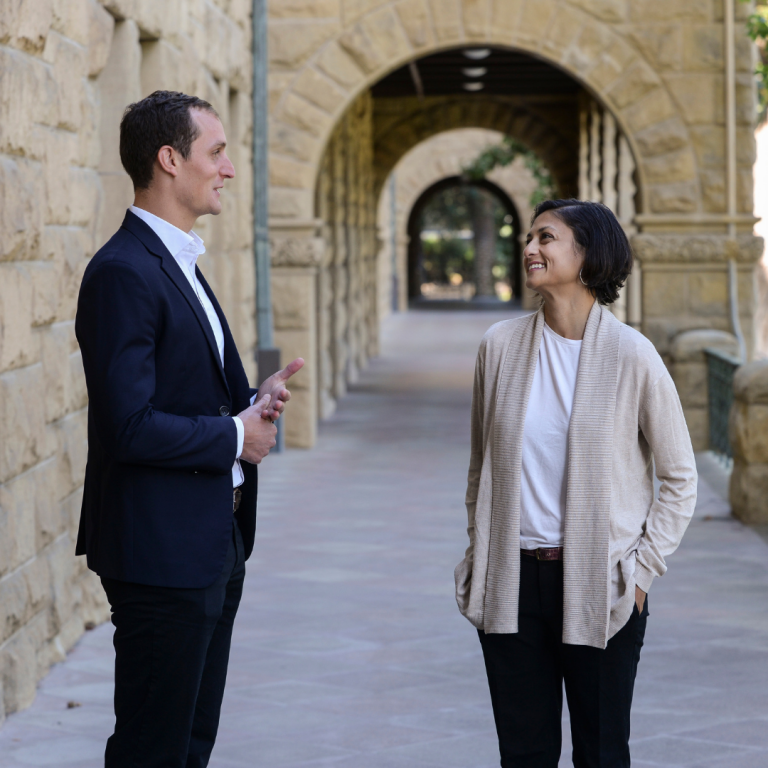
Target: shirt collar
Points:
(186, 246)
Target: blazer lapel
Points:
(233, 365)
(171, 268)
(588, 496)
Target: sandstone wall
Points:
(68, 68)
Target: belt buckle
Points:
(538, 554)
(236, 496)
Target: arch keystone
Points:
(446, 20)
(505, 15)
(414, 16)
(589, 48)
(535, 19)
(385, 31)
(566, 27)
(475, 14)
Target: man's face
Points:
(201, 177)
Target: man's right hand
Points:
(259, 434)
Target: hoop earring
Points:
(582, 279)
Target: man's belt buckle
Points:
(236, 496)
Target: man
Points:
(169, 505)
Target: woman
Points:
(571, 409)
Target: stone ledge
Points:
(677, 248)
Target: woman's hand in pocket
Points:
(639, 599)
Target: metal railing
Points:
(720, 370)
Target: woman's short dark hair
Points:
(596, 231)
(162, 118)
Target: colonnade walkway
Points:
(349, 650)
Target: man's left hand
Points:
(639, 599)
(275, 387)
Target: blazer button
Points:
(223, 411)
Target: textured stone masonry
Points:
(68, 68)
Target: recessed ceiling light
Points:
(474, 71)
(473, 86)
(477, 53)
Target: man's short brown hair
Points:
(162, 118)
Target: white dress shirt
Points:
(185, 248)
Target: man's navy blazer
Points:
(157, 502)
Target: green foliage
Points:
(450, 209)
(757, 29)
(447, 245)
(500, 155)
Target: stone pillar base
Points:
(296, 252)
(688, 367)
(749, 439)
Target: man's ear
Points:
(168, 159)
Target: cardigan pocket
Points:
(627, 566)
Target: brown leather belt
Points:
(544, 553)
(237, 494)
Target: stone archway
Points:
(439, 157)
(552, 136)
(343, 56)
(414, 228)
(647, 73)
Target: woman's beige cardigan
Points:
(626, 416)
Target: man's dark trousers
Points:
(526, 672)
(171, 656)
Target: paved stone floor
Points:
(349, 650)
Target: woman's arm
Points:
(663, 424)
(463, 571)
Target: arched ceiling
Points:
(549, 127)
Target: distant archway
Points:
(414, 232)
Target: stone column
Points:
(485, 243)
(685, 275)
(583, 150)
(610, 197)
(297, 251)
(749, 438)
(326, 403)
(339, 273)
(594, 154)
(688, 366)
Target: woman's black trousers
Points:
(526, 672)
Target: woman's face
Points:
(551, 257)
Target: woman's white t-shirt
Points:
(545, 442)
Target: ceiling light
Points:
(473, 71)
(477, 53)
(473, 86)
